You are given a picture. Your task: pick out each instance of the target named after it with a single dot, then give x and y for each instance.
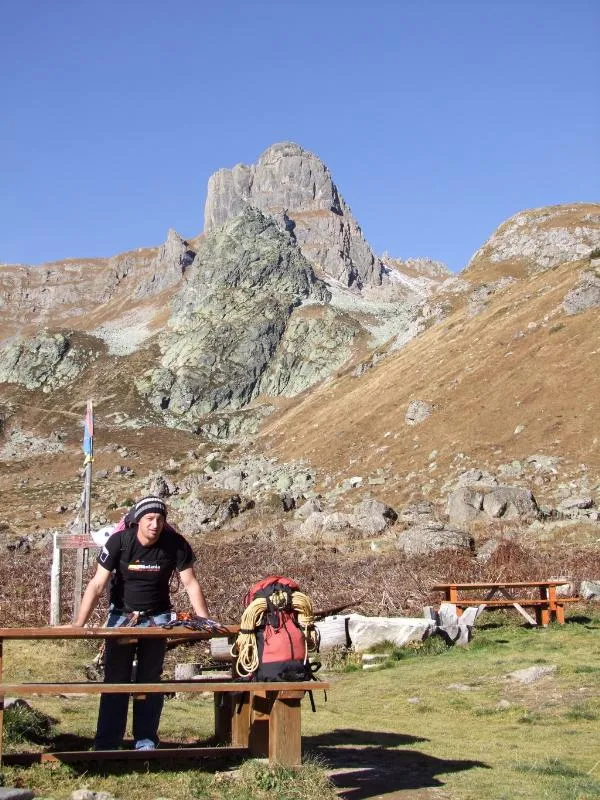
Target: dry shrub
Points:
(374, 584)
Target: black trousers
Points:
(118, 663)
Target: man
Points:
(141, 560)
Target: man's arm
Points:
(194, 592)
(92, 595)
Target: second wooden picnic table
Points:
(503, 594)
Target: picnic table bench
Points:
(548, 606)
(257, 718)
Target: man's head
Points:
(150, 514)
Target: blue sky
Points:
(438, 120)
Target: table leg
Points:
(232, 718)
(261, 704)
(240, 721)
(223, 705)
(285, 740)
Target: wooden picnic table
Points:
(504, 594)
(259, 718)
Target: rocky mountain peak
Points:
(296, 187)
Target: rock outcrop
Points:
(543, 238)
(44, 361)
(297, 189)
(230, 318)
(586, 294)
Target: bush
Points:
(24, 724)
(257, 781)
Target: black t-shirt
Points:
(142, 574)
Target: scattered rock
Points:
(590, 590)
(531, 674)
(12, 793)
(427, 538)
(585, 295)
(418, 411)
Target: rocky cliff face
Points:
(230, 317)
(296, 187)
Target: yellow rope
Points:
(245, 647)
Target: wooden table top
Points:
(500, 585)
(135, 632)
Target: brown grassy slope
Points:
(483, 377)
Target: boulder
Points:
(14, 793)
(366, 632)
(429, 537)
(574, 504)
(487, 503)
(312, 506)
(464, 505)
(418, 411)
(590, 590)
(325, 526)
(372, 516)
(334, 632)
(531, 674)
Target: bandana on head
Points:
(148, 505)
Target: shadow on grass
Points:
(343, 736)
(581, 619)
(373, 767)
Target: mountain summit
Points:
(296, 188)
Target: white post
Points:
(55, 583)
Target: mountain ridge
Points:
(255, 337)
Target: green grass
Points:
(435, 717)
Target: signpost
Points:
(82, 553)
(75, 541)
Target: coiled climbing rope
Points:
(245, 649)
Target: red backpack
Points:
(277, 632)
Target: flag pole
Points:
(82, 553)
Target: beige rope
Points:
(245, 647)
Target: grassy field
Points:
(436, 723)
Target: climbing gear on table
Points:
(193, 622)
